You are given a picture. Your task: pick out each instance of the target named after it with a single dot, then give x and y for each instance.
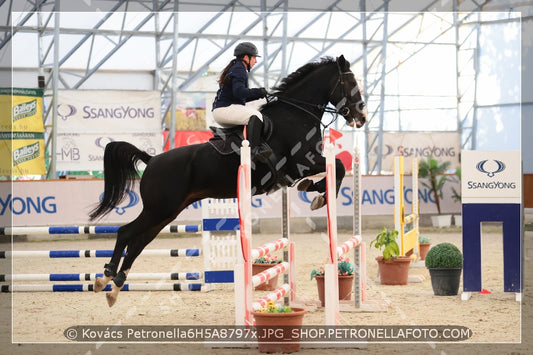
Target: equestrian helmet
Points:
(246, 48)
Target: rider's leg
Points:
(259, 149)
(245, 115)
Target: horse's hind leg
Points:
(110, 270)
(134, 247)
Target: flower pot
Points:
(269, 285)
(276, 331)
(394, 271)
(441, 220)
(445, 281)
(345, 288)
(424, 248)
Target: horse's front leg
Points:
(320, 186)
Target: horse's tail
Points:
(120, 171)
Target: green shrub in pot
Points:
(444, 255)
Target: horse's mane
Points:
(300, 73)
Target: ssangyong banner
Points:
(443, 146)
(68, 202)
(84, 152)
(108, 111)
(491, 176)
(89, 119)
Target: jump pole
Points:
(153, 276)
(331, 281)
(355, 243)
(159, 286)
(244, 281)
(359, 256)
(49, 230)
(409, 239)
(104, 253)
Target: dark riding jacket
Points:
(237, 90)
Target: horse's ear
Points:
(343, 63)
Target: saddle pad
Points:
(227, 141)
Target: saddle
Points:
(228, 141)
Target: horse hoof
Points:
(99, 284)
(111, 299)
(304, 185)
(318, 202)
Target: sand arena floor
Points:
(42, 317)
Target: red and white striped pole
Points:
(330, 269)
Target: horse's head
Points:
(346, 95)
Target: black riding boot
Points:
(259, 149)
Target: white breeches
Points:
(234, 115)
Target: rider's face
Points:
(251, 60)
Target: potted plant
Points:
(433, 171)
(456, 196)
(345, 275)
(261, 264)
(393, 268)
(424, 245)
(276, 328)
(445, 262)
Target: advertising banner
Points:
(21, 132)
(491, 176)
(183, 138)
(443, 146)
(83, 152)
(68, 202)
(108, 111)
(89, 119)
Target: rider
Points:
(229, 107)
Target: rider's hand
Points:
(263, 92)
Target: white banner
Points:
(108, 111)
(68, 202)
(443, 146)
(84, 152)
(491, 176)
(89, 119)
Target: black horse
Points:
(176, 178)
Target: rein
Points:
(343, 110)
(299, 104)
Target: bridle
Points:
(343, 110)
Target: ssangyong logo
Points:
(491, 169)
(64, 111)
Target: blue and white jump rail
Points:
(161, 276)
(104, 253)
(158, 286)
(219, 254)
(49, 230)
(491, 190)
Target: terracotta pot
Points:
(394, 271)
(275, 331)
(424, 248)
(345, 288)
(269, 285)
